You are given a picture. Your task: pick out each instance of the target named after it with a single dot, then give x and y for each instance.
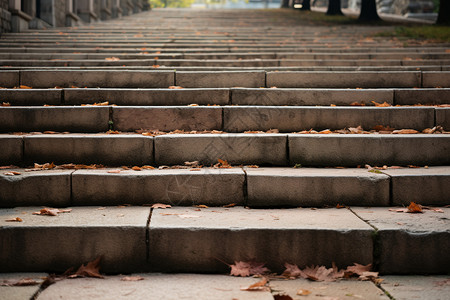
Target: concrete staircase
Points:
(185, 88)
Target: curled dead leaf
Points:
(12, 173)
(414, 208)
(5, 104)
(405, 131)
(303, 292)
(132, 278)
(258, 286)
(161, 205)
(245, 269)
(51, 211)
(175, 87)
(92, 269)
(384, 104)
(17, 219)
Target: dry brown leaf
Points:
(357, 269)
(91, 269)
(51, 211)
(382, 128)
(357, 104)
(175, 87)
(12, 173)
(414, 208)
(245, 269)
(20, 282)
(291, 271)
(230, 205)
(303, 292)
(405, 131)
(113, 132)
(146, 167)
(114, 171)
(222, 164)
(25, 87)
(258, 286)
(384, 104)
(5, 104)
(201, 206)
(112, 58)
(340, 206)
(368, 276)
(17, 219)
(136, 168)
(161, 205)
(8, 167)
(132, 278)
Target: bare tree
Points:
(334, 7)
(368, 11)
(444, 13)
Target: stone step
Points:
(245, 186)
(237, 148)
(223, 96)
(256, 79)
(136, 239)
(232, 119)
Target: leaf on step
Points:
(384, 104)
(368, 276)
(358, 104)
(19, 282)
(51, 211)
(414, 208)
(17, 219)
(113, 132)
(112, 58)
(113, 171)
(258, 286)
(97, 104)
(245, 269)
(222, 164)
(202, 206)
(382, 128)
(132, 278)
(147, 167)
(303, 292)
(136, 168)
(230, 205)
(161, 205)
(92, 269)
(405, 131)
(12, 173)
(175, 87)
(291, 271)
(25, 87)
(357, 269)
(5, 104)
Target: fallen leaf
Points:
(291, 271)
(17, 219)
(132, 278)
(368, 276)
(230, 205)
(160, 205)
(245, 269)
(5, 104)
(340, 206)
(405, 131)
(414, 208)
(114, 171)
(91, 269)
(303, 292)
(25, 87)
(357, 104)
(12, 173)
(357, 269)
(20, 282)
(384, 104)
(112, 58)
(175, 87)
(258, 286)
(113, 132)
(51, 211)
(136, 168)
(201, 206)
(147, 167)
(222, 164)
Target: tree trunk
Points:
(368, 11)
(284, 3)
(444, 13)
(334, 7)
(306, 5)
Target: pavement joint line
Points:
(222, 125)
(245, 186)
(288, 155)
(71, 202)
(147, 235)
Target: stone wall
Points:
(60, 13)
(5, 16)
(399, 7)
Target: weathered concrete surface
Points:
(289, 119)
(89, 149)
(309, 96)
(11, 149)
(73, 119)
(436, 79)
(128, 118)
(261, 149)
(212, 187)
(220, 79)
(443, 117)
(402, 238)
(343, 79)
(156, 286)
(422, 96)
(20, 292)
(9, 79)
(148, 96)
(47, 187)
(70, 239)
(423, 186)
(345, 289)
(373, 149)
(417, 287)
(31, 96)
(90, 78)
(187, 240)
(271, 187)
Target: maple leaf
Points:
(91, 269)
(244, 269)
(291, 271)
(357, 269)
(258, 286)
(414, 208)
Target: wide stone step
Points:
(255, 79)
(135, 239)
(237, 148)
(233, 119)
(245, 186)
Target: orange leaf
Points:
(175, 87)
(5, 104)
(132, 278)
(230, 205)
(17, 219)
(12, 173)
(384, 104)
(405, 131)
(160, 205)
(25, 87)
(414, 208)
(258, 286)
(244, 269)
(303, 292)
(136, 168)
(90, 270)
(112, 58)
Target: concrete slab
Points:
(47, 187)
(157, 286)
(149, 97)
(128, 118)
(436, 79)
(374, 149)
(364, 79)
(313, 97)
(113, 150)
(212, 187)
(345, 289)
(443, 117)
(260, 149)
(422, 96)
(271, 187)
(20, 292)
(223, 79)
(9, 79)
(290, 119)
(31, 96)
(56, 243)
(12, 149)
(403, 237)
(417, 287)
(184, 239)
(60, 119)
(111, 78)
(429, 186)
